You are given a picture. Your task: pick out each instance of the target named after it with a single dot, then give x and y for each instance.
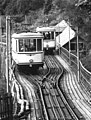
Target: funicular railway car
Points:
(49, 34)
(27, 49)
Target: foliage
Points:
(87, 62)
(47, 6)
(13, 7)
(51, 11)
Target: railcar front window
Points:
(21, 45)
(32, 45)
(27, 45)
(48, 35)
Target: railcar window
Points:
(52, 35)
(21, 45)
(27, 45)
(44, 35)
(48, 35)
(39, 44)
(32, 45)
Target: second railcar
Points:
(49, 34)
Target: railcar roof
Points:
(27, 35)
(44, 29)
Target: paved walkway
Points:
(74, 91)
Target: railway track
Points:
(74, 94)
(30, 93)
(70, 86)
(56, 105)
(46, 98)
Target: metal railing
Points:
(85, 75)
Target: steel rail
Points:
(50, 64)
(64, 99)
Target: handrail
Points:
(85, 75)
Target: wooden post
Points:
(0, 45)
(59, 41)
(69, 45)
(78, 70)
(7, 49)
(9, 40)
(55, 39)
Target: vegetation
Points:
(87, 62)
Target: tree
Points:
(47, 6)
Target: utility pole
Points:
(59, 45)
(7, 50)
(69, 44)
(9, 40)
(78, 66)
(0, 45)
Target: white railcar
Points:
(49, 34)
(27, 49)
